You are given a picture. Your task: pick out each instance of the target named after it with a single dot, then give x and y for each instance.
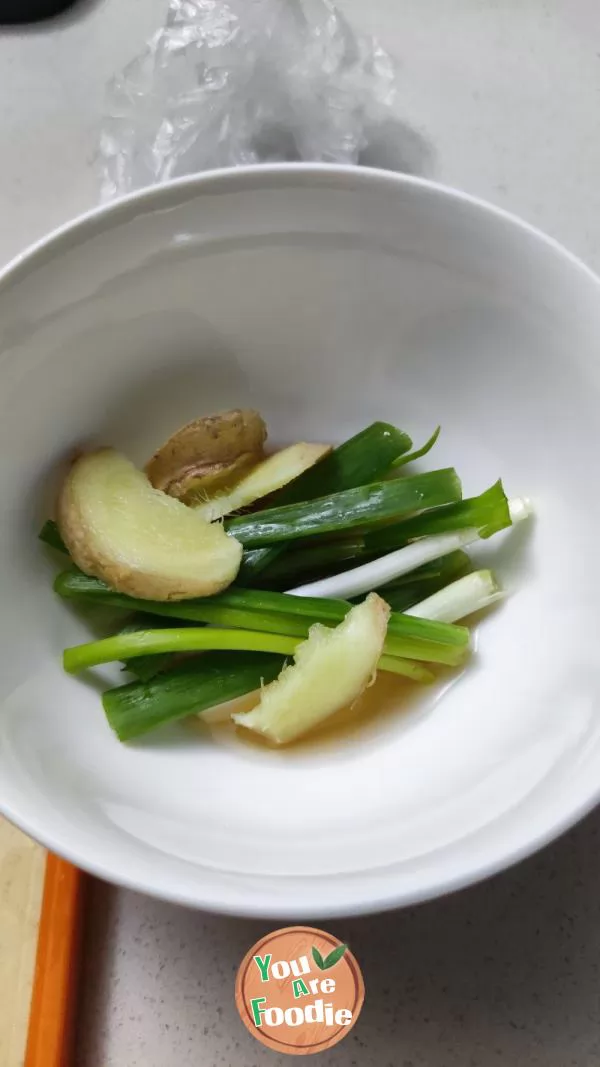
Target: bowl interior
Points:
(326, 299)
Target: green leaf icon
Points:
(330, 960)
(333, 957)
(317, 957)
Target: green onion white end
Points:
(373, 575)
(464, 597)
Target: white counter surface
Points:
(501, 98)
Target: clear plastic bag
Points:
(229, 82)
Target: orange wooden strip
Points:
(55, 982)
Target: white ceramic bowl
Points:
(326, 298)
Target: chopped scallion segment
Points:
(50, 535)
(469, 594)
(420, 452)
(354, 508)
(256, 609)
(377, 573)
(193, 686)
(488, 513)
(362, 459)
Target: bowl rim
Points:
(158, 197)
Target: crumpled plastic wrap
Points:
(231, 82)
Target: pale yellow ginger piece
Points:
(330, 670)
(138, 540)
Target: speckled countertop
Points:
(502, 975)
(503, 99)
